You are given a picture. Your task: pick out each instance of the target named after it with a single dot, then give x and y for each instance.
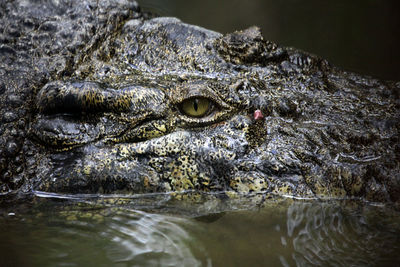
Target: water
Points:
(50, 231)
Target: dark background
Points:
(357, 35)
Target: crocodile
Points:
(99, 97)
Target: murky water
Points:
(65, 232)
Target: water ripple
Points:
(326, 233)
(149, 239)
(85, 235)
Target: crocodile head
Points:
(157, 105)
(162, 112)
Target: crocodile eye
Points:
(196, 107)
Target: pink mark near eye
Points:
(258, 115)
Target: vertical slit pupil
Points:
(195, 104)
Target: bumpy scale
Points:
(97, 97)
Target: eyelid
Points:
(59, 97)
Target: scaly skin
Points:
(92, 97)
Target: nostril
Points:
(258, 115)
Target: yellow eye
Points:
(196, 107)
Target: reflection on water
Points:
(94, 237)
(326, 233)
(280, 233)
(148, 238)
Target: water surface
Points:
(278, 232)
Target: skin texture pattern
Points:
(97, 97)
